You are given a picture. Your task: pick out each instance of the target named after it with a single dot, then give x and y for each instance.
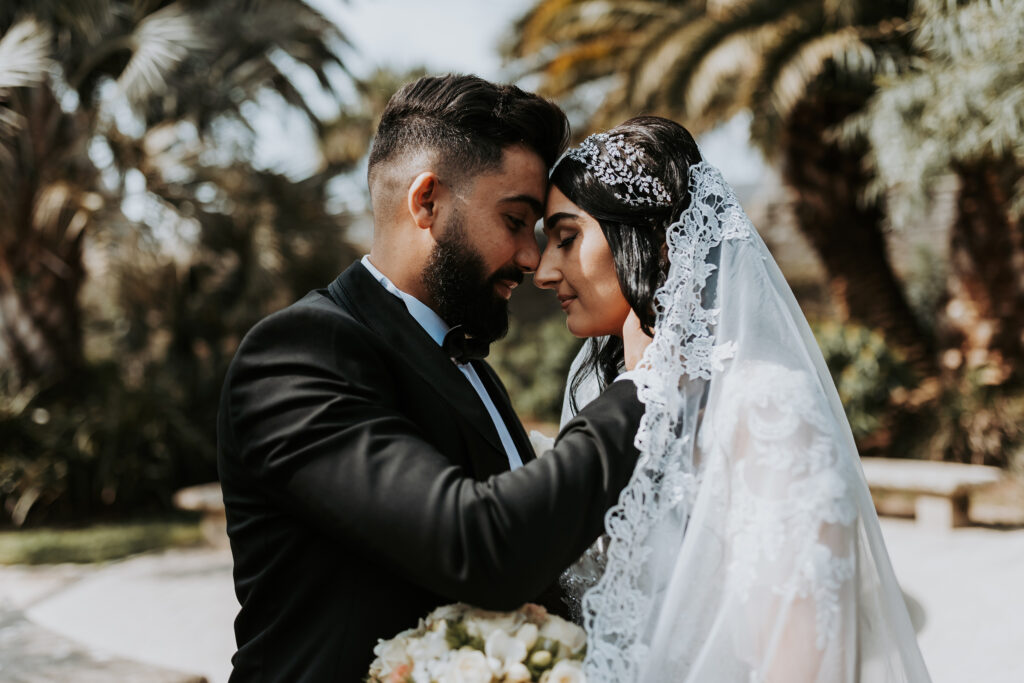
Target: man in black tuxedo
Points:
(371, 463)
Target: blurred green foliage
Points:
(137, 420)
(967, 420)
(99, 447)
(866, 372)
(959, 103)
(533, 362)
(893, 411)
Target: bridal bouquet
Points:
(463, 644)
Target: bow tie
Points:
(461, 348)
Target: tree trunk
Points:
(846, 232)
(985, 313)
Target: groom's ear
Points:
(422, 199)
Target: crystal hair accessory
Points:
(616, 162)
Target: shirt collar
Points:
(430, 321)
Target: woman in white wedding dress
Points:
(745, 547)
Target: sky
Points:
(446, 35)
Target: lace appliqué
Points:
(790, 494)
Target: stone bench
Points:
(940, 489)
(208, 500)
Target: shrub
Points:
(866, 371)
(966, 419)
(93, 447)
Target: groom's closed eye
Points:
(522, 207)
(515, 223)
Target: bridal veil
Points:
(746, 547)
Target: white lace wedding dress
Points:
(745, 547)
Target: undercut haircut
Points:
(467, 122)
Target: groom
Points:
(371, 463)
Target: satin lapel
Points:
(508, 414)
(385, 314)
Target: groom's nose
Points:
(527, 252)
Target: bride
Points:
(745, 547)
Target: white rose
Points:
(568, 634)
(483, 623)
(517, 673)
(527, 634)
(505, 648)
(393, 653)
(565, 671)
(421, 673)
(431, 646)
(468, 666)
(432, 670)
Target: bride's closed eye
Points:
(566, 241)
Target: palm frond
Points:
(844, 47)
(739, 21)
(673, 54)
(581, 63)
(159, 43)
(734, 57)
(532, 30)
(50, 214)
(960, 101)
(25, 55)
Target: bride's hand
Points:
(634, 340)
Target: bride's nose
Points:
(548, 275)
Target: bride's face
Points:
(577, 264)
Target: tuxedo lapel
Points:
(386, 314)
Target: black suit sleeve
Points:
(314, 419)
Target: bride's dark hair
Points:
(636, 234)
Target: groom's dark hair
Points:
(467, 122)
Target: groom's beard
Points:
(462, 293)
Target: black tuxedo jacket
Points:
(365, 484)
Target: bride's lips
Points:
(505, 287)
(566, 300)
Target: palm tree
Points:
(42, 209)
(800, 68)
(107, 78)
(959, 110)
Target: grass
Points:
(96, 543)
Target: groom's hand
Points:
(634, 340)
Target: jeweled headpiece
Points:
(617, 163)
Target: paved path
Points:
(970, 584)
(171, 610)
(174, 610)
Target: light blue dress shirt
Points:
(437, 328)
